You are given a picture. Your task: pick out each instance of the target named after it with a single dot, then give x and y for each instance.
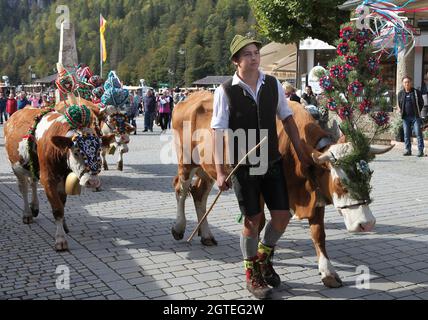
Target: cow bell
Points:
(72, 185)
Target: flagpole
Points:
(101, 52)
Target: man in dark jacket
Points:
(410, 103)
(424, 91)
(3, 102)
(149, 111)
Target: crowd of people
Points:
(10, 104)
(156, 107)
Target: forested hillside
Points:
(163, 40)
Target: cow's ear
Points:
(129, 128)
(107, 140)
(62, 142)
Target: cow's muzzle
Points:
(358, 219)
(90, 181)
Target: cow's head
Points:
(83, 155)
(349, 185)
(119, 126)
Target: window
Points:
(323, 57)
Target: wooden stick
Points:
(220, 192)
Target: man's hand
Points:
(304, 158)
(222, 184)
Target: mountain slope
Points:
(163, 40)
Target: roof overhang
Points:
(315, 44)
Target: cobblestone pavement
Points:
(121, 246)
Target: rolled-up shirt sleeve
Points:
(284, 110)
(220, 119)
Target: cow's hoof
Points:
(209, 242)
(105, 168)
(99, 189)
(120, 167)
(61, 245)
(177, 236)
(35, 212)
(27, 220)
(332, 281)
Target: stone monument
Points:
(67, 50)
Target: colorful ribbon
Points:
(393, 35)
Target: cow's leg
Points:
(34, 206)
(23, 188)
(103, 157)
(63, 196)
(120, 162)
(182, 189)
(200, 194)
(329, 276)
(58, 212)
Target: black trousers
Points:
(164, 119)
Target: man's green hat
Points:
(240, 42)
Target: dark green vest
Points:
(246, 114)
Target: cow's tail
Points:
(29, 159)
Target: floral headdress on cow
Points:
(87, 144)
(353, 89)
(80, 82)
(114, 93)
(33, 160)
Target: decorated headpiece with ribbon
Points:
(78, 117)
(84, 73)
(114, 93)
(66, 82)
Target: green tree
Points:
(289, 21)
(144, 37)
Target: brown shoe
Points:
(255, 283)
(264, 258)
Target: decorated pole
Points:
(220, 192)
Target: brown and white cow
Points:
(58, 154)
(307, 197)
(115, 122)
(109, 120)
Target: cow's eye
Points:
(76, 153)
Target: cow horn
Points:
(102, 112)
(323, 158)
(376, 149)
(60, 67)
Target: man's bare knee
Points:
(280, 219)
(251, 225)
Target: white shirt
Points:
(220, 119)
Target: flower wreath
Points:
(355, 164)
(32, 146)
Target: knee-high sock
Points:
(248, 247)
(271, 235)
